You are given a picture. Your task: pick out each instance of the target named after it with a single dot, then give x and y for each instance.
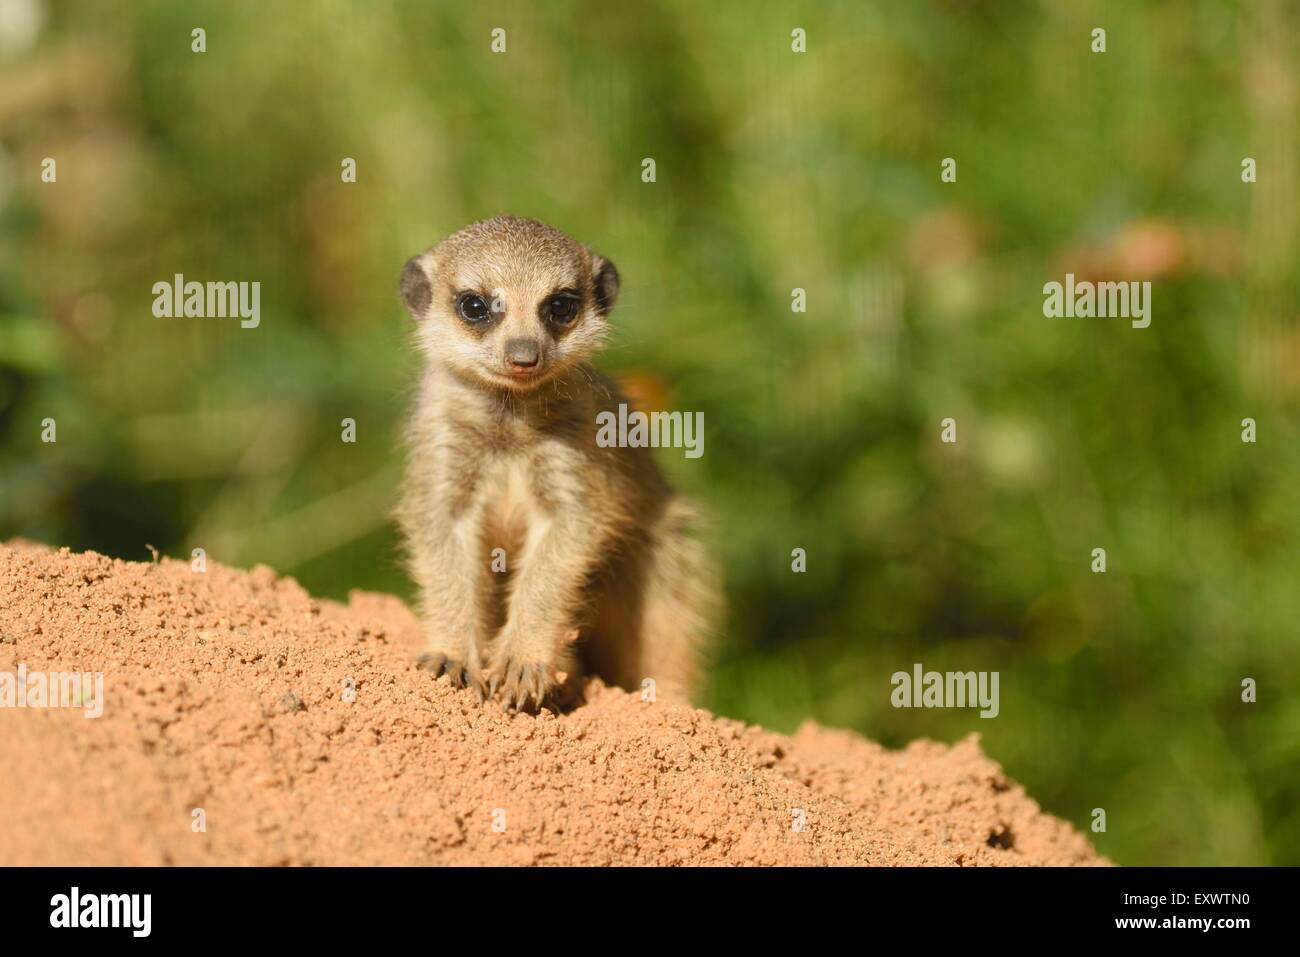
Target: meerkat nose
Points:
(523, 353)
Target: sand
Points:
(228, 737)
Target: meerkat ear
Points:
(416, 290)
(605, 283)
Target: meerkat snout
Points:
(523, 353)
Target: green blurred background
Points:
(775, 170)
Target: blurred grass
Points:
(775, 171)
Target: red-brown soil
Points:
(224, 691)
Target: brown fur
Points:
(595, 540)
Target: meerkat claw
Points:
(431, 662)
(529, 684)
(457, 674)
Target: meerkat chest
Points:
(509, 482)
(534, 487)
(508, 507)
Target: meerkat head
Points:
(510, 303)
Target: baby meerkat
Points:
(537, 551)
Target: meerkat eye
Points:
(473, 309)
(562, 308)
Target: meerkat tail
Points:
(681, 601)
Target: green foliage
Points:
(775, 170)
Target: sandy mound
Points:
(225, 691)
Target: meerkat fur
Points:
(537, 553)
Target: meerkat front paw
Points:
(523, 672)
(520, 679)
(461, 674)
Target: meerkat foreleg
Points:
(453, 586)
(545, 600)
